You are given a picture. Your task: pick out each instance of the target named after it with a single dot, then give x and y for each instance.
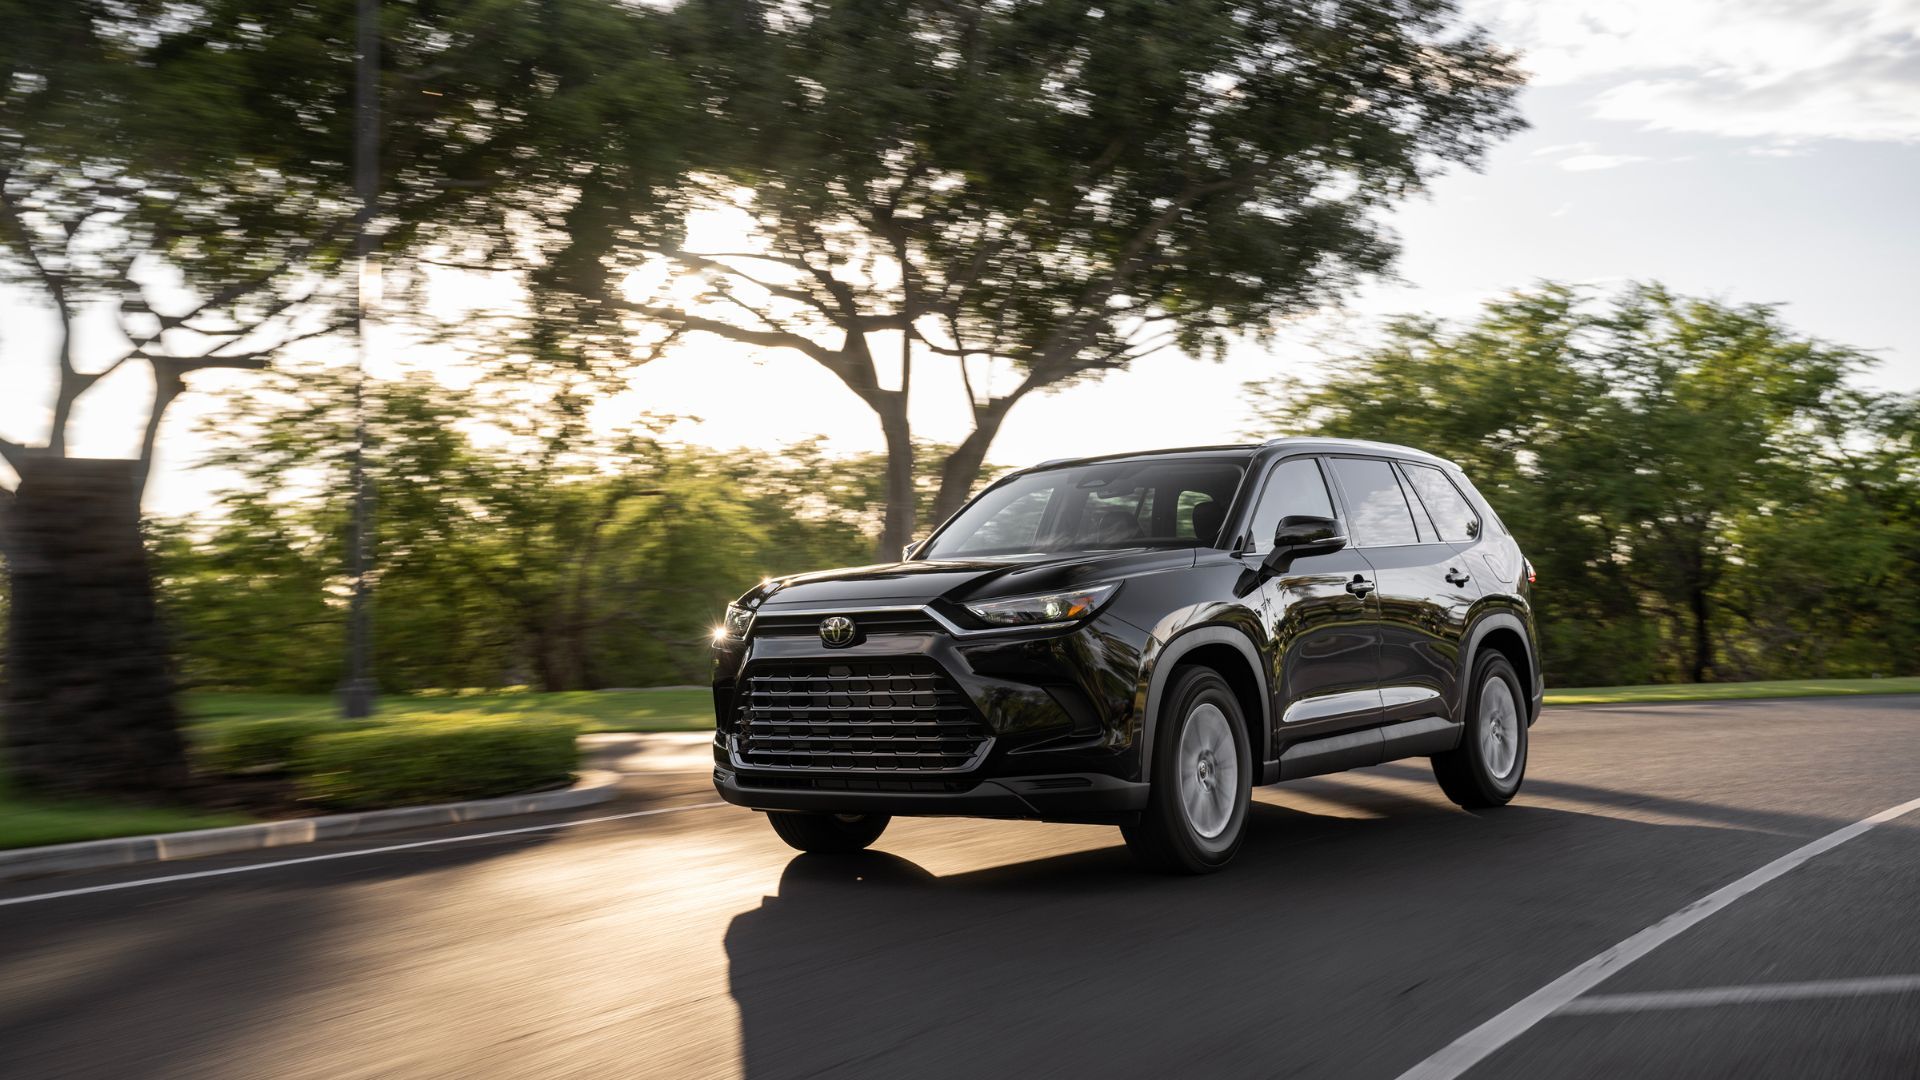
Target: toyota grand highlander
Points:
(1137, 640)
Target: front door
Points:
(1322, 616)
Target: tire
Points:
(828, 834)
(1201, 783)
(1487, 767)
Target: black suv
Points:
(1137, 640)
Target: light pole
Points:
(357, 688)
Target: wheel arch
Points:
(1504, 632)
(1231, 653)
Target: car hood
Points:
(921, 581)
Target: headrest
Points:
(1207, 519)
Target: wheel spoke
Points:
(1209, 770)
(1499, 727)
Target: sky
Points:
(1749, 150)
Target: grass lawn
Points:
(593, 710)
(1606, 695)
(27, 822)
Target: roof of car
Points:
(1306, 444)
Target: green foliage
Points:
(507, 555)
(1704, 493)
(442, 760)
(263, 743)
(661, 709)
(1042, 191)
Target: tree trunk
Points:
(88, 706)
(898, 531)
(1702, 635)
(548, 660)
(962, 468)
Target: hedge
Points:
(267, 743)
(444, 759)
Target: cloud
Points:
(1585, 156)
(1760, 69)
(1592, 162)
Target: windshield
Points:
(1146, 502)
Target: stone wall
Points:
(88, 706)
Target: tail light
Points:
(1528, 563)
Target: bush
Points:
(273, 742)
(442, 759)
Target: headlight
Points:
(1047, 608)
(739, 621)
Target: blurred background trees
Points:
(1040, 192)
(1705, 493)
(175, 185)
(513, 550)
(1025, 194)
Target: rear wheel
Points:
(1488, 765)
(1202, 780)
(828, 833)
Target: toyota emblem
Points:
(836, 631)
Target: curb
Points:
(592, 788)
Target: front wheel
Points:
(828, 833)
(1202, 780)
(1488, 765)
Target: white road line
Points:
(332, 855)
(1480, 1043)
(1742, 995)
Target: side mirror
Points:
(1303, 534)
(907, 551)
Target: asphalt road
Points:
(1366, 925)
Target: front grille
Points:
(776, 624)
(904, 715)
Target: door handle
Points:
(1454, 576)
(1359, 586)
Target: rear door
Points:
(1321, 615)
(1423, 589)
(1446, 510)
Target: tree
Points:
(1041, 191)
(1655, 455)
(515, 547)
(180, 172)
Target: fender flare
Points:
(1169, 658)
(1501, 620)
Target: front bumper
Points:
(1084, 798)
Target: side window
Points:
(1015, 525)
(1451, 512)
(1377, 510)
(1295, 486)
(1422, 524)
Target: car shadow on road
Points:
(1698, 809)
(1334, 945)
